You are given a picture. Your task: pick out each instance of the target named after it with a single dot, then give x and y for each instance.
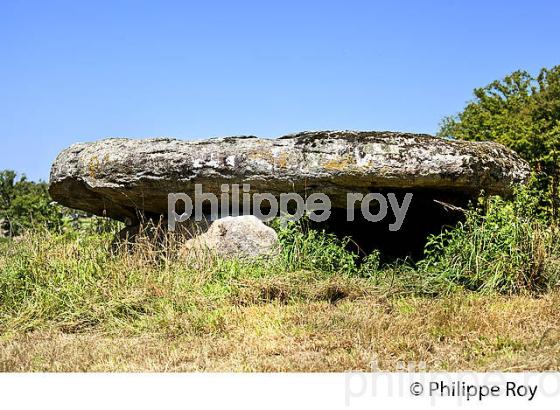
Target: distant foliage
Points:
(25, 204)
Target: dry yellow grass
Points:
(459, 333)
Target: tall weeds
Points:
(502, 246)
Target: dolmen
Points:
(386, 190)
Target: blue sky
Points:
(78, 71)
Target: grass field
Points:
(451, 334)
(68, 304)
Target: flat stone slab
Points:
(118, 176)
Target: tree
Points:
(521, 112)
(24, 203)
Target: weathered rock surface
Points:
(116, 177)
(244, 237)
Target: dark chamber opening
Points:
(429, 212)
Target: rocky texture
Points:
(243, 237)
(117, 177)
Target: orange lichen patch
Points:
(93, 166)
(261, 156)
(281, 161)
(338, 164)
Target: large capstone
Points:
(130, 179)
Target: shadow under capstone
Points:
(429, 213)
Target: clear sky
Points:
(78, 71)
